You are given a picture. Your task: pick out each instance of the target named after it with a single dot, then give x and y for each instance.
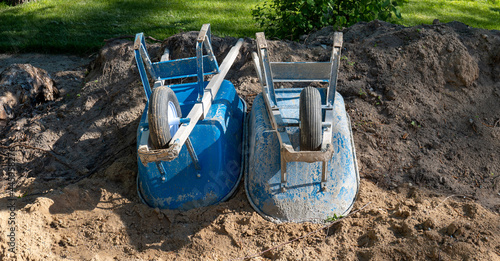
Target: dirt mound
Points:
(424, 107)
(432, 98)
(24, 84)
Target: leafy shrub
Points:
(291, 18)
(15, 2)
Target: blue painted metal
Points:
(210, 164)
(181, 68)
(142, 61)
(218, 142)
(199, 66)
(303, 200)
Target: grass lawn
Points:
(475, 13)
(79, 26)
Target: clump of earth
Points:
(425, 109)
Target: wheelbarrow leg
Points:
(192, 153)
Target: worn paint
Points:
(303, 199)
(218, 142)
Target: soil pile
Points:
(425, 111)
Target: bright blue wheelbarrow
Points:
(302, 161)
(194, 160)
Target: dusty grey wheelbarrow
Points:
(302, 160)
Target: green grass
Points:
(479, 13)
(80, 26)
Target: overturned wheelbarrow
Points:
(190, 137)
(302, 161)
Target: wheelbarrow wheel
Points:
(310, 119)
(163, 106)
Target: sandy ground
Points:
(425, 109)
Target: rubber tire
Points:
(310, 119)
(159, 129)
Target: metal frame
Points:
(199, 66)
(270, 72)
(167, 69)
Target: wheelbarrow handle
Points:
(204, 32)
(143, 62)
(335, 60)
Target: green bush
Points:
(289, 19)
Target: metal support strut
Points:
(270, 72)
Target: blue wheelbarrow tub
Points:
(218, 142)
(303, 200)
